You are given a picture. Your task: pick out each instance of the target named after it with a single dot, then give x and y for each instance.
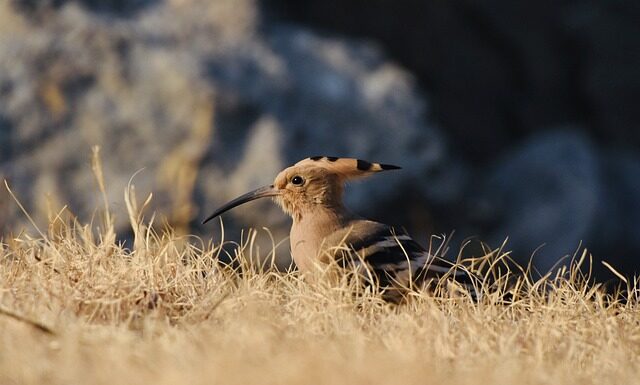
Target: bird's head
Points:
(309, 184)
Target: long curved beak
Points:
(262, 192)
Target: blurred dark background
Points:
(511, 119)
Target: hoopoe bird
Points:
(323, 230)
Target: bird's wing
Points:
(394, 257)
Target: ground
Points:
(77, 307)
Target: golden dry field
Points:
(79, 308)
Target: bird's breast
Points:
(305, 247)
(310, 241)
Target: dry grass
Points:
(78, 308)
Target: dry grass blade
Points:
(35, 324)
(614, 271)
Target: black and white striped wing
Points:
(395, 258)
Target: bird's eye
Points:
(297, 180)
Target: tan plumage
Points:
(311, 192)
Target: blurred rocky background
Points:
(510, 119)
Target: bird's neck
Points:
(309, 231)
(321, 216)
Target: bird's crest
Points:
(347, 168)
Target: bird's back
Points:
(394, 258)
